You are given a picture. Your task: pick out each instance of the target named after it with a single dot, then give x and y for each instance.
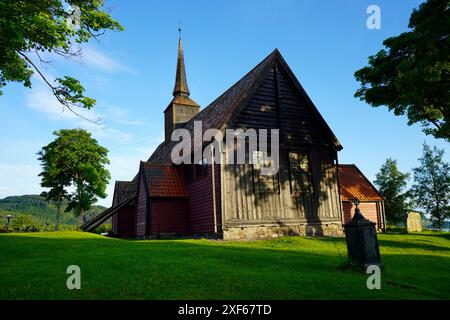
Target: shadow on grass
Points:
(430, 233)
(34, 268)
(411, 245)
(444, 235)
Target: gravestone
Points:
(362, 241)
(414, 222)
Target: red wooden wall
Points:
(141, 209)
(114, 223)
(201, 217)
(126, 222)
(169, 216)
(370, 210)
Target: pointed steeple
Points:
(182, 108)
(181, 86)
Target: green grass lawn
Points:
(33, 266)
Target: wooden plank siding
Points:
(324, 172)
(114, 225)
(114, 222)
(141, 208)
(122, 216)
(126, 222)
(245, 205)
(169, 216)
(260, 111)
(277, 104)
(297, 123)
(370, 210)
(201, 217)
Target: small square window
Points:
(263, 183)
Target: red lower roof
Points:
(164, 180)
(353, 184)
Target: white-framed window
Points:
(263, 183)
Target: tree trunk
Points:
(440, 222)
(80, 193)
(81, 216)
(58, 213)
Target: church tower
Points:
(182, 108)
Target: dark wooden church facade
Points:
(235, 200)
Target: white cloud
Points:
(86, 56)
(18, 179)
(106, 132)
(42, 100)
(96, 59)
(121, 116)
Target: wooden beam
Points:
(105, 215)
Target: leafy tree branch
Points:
(411, 74)
(43, 26)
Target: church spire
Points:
(181, 87)
(182, 108)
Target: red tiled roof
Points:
(163, 180)
(354, 184)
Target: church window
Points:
(263, 183)
(300, 173)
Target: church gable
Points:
(278, 102)
(298, 123)
(261, 110)
(269, 96)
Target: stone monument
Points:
(414, 222)
(362, 241)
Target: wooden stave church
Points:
(225, 199)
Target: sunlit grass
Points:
(33, 266)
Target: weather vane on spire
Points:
(179, 29)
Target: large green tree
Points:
(80, 162)
(392, 184)
(30, 28)
(411, 75)
(54, 176)
(431, 187)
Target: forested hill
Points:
(42, 210)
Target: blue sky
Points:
(131, 75)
